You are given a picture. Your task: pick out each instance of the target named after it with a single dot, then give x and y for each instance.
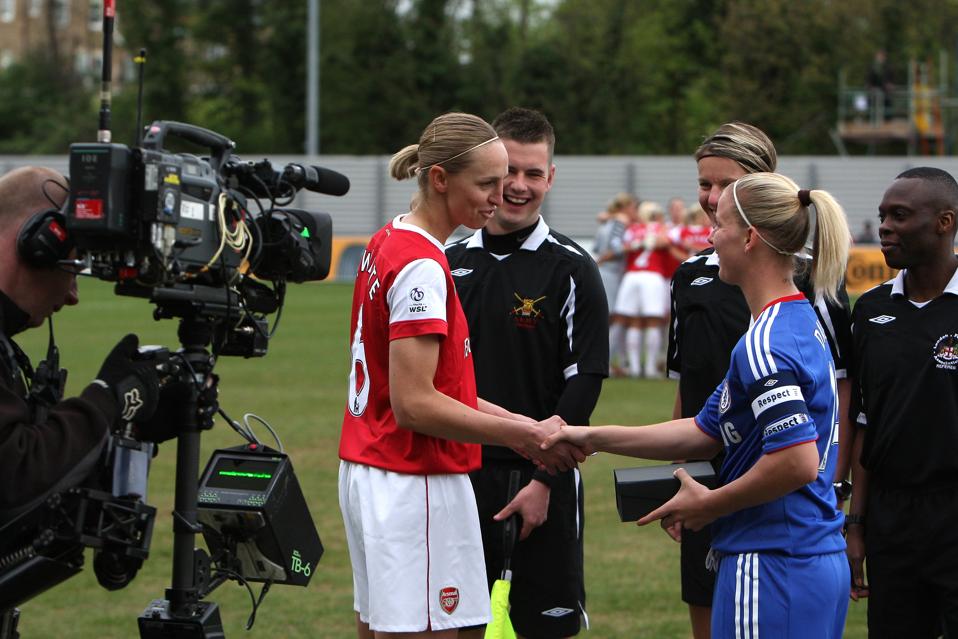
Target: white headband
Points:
(458, 155)
(747, 223)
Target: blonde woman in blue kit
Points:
(777, 534)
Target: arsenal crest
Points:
(449, 599)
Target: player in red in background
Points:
(642, 300)
(692, 236)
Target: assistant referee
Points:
(538, 326)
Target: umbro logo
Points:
(882, 319)
(699, 281)
(770, 383)
(558, 612)
(461, 272)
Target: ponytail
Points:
(783, 216)
(831, 244)
(402, 166)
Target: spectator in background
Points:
(690, 237)
(609, 252)
(867, 234)
(695, 233)
(674, 225)
(879, 84)
(621, 212)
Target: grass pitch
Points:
(299, 387)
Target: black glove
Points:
(134, 382)
(171, 414)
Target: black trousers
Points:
(548, 587)
(911, 560)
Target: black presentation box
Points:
(639, 491)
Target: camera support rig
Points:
(183, 608)
(254, 516)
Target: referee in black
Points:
(903, 519)
(538, 327)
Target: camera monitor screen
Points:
(236, 473)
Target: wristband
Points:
(854, 520)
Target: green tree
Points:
(783, 59)
(43, 108)
(491, 43)
(368, 98)
(228, 89)
(431, 32)
(162, 28)
(282, 56)
(615, 76)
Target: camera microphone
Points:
(316, 179)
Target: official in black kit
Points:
(903, 519)
(538, 325)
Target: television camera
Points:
(192, 235)
(212, 241)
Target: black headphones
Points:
(43, 239)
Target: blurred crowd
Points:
(638, 246)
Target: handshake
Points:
(546, 444)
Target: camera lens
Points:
(114, 571)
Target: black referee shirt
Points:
(907, 380)
(708, 318)
(537, 317)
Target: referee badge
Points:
(449, 599)
(946, 351)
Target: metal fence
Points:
(583, 185)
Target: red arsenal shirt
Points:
(404, 289)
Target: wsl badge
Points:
(416, 303)
(945, 352)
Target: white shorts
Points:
(642, 294)
(415, 548)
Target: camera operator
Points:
(47, 443)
